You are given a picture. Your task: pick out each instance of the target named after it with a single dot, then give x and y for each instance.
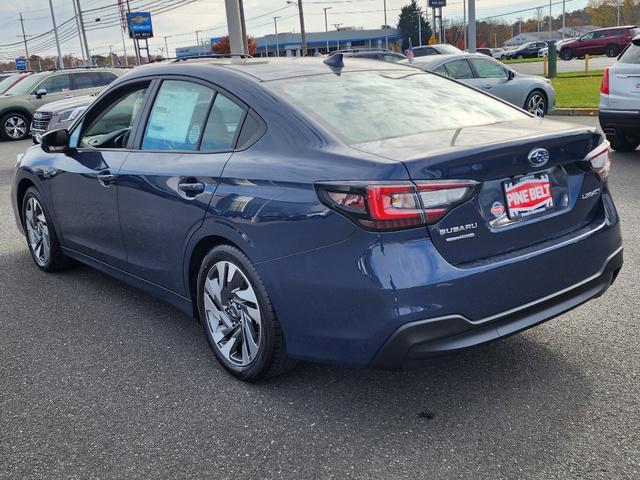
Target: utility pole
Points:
(303, 35)
(55, 34)
(472, 26)
(550, 19)
(419, 14)
(519, 25)
(136, 47)
(464, 21)
(563, 20)
(111, 54)
(384, 5)
(495, 39)
(275, 24)
(166, 48)
(24, 37)
(618, 5)
(75, 13)
(84, 33)
(243, 26)
(326, 25)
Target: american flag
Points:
(409, 51)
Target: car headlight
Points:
(70, 115)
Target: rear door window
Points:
(84, 80)
(224, 120)
(178, 116)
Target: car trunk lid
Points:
(534, 183)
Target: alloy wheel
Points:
(536, 105)
(37, 231)
(232, 312)
(15, 127)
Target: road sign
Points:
(21, 63)
(139, 24)
(215, 40)
(437, 3)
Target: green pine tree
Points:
(408, 25)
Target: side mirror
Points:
(636, 40)
(55, 141)
(510, 74)
(40, 92)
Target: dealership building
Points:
(290, 44)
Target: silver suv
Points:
(620, 100)
(20, 102)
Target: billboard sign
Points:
(21, 63)
(437, 3)
(139, 24)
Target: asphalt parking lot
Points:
(98, 380)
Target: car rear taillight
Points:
(600, 160)
(398, 205)
(604, 86)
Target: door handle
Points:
(191, 189)
(106, 178)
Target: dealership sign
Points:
(139, 24)
(437, 3)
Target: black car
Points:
(485, 51)
(527, 50)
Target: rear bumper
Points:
(619, 120)
(413, 343)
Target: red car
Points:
(610, 41)
(8, 81)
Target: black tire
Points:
(56, 259)
(623, 143)
(271, 359)
(612, 50)
(15, 126)
(566, 54)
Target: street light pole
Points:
(419, 14)
(563, 20)
(275, 24)
(464, 21)
(326, 25)
(384, 4)
(24, 37)
(550, 19)
(55, 34)
(303, 36)
(84, 33)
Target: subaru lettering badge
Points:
(538, 157)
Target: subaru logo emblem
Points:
(538, 157)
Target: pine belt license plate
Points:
(529, 195)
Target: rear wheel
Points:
(536, 103)
(41, 235)
(623, 143)
(566, 54)
(238, 318)
(15, 126)
(612, 50)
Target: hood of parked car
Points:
(67, 103)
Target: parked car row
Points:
(30, 91)
(531, 92)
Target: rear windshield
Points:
(366, 106)
(24, 87)
(630, 55)
(444, 49)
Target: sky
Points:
(207, 18)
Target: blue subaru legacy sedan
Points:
(337, 210)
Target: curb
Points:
(575, 112)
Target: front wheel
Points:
(536, 103)
(15, 126)
(623, 143)
(238, 318)
(42, 239)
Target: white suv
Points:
(620, 100)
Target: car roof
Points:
(432, 60)
(264, 69)
(614, 28)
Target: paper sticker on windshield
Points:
(194, 134)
